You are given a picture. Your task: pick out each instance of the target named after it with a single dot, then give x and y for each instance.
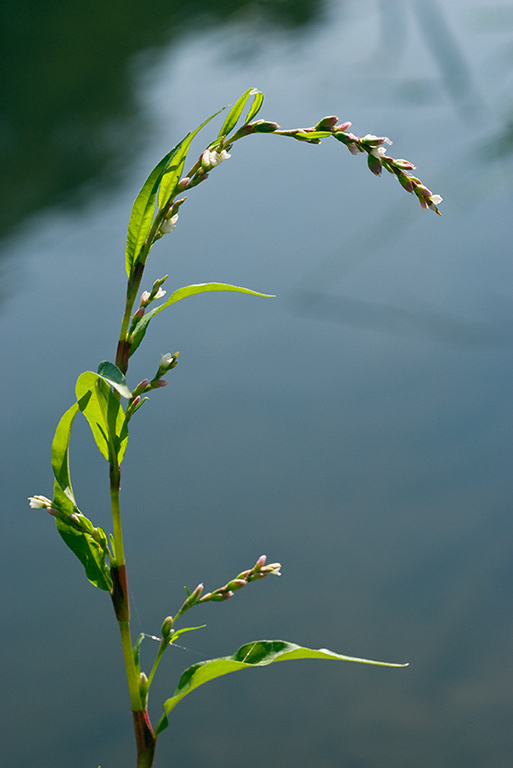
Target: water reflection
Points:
(363, 440)
(68, 114)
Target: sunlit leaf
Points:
(257, 654)
(89, 552)
(114, 377)
(60, 456)
(143, 210)
(234, 113)
(255, 108)
(183, 293)
(105, 415)
(174, 168)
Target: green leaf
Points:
(235, 112)
(256, 106)
(176, 635)
(137, 652)
(105, 415)
(174, 168)
(143, 210)
(88, 551)
(114, 377)
(257, 654)
(183, 293)
(60, 459)
(313, 137)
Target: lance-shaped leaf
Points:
(114, 377)
(105, 415)
(174, 167)
(81, 543)
(257, 654)
(143, 210)
(255, 108)
(60, 458)
(183, 293)
(236, 111)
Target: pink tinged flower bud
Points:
(145, 295)
(138, 314)
(194, 596)
(327, 123)
(219, 596)
(142, 386)
(52, 511)
(404, 165)
(405, 182)
(260, 562)
(422, 191)
(374, 164)
(236, 584)
(264, 126)
(182, 184)
(136, 401)
(160, 383)
(167, 626)
(353, 148)
(344, 126)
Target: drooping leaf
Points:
(114, 377)
(81, 543)
(234, 113)
(88, 551)
(174, 167)
(143, 210)
(257, 654)
(256, 106)
(105, 415)
(183, 293)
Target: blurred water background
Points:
(357, 428)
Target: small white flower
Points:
(216, 158)
(165, 360)
(436, 199)
(160, 293)
(378, 151)
(39, 502)
(169, 224)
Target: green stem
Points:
(144, 736)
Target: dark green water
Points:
(357, 428)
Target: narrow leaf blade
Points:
(257, 654)
(234, 113)
(183, 293)
(143, 210)
(174, 168)
(60, 453)
(255, 108)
